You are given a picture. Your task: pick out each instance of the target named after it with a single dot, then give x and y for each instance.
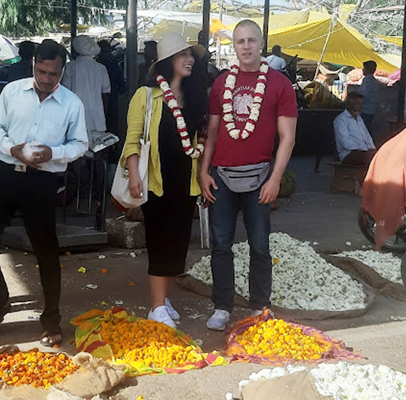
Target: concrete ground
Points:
(312, 213)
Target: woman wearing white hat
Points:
(177, 121)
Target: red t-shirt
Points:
(279, 100)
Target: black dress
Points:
(168, 219)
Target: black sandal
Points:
(51, 338)
(4, 310)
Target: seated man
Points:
(275, 60)
(354, 143)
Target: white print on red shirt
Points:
(242, 103)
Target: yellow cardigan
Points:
(135, 130)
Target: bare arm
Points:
(135, 182)
(206, 180)
(287, 130)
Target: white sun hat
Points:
(86, 46)
(171, 44)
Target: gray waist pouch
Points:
(245, 178)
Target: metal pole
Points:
(206, 24)
(324, 48)
(266, 28)
(402, 83)
(73, 19)
(132, 46)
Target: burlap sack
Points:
(298, 386)
(96, 376)
(195, 286)
(356, 268)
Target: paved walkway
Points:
(312, 214)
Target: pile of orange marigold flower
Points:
(35, 368)
(153, 343)
(275, 337)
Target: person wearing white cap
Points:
(178, 115)
(90, 81)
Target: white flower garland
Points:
(173, 105)
(228, 116)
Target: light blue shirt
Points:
(57, 122)
(351, 134)
(369, 89)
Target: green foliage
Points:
(36, 17)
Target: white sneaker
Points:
(255, 313)
(218, 320)
(160, 314)
(171, 311)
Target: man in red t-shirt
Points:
(247, 107)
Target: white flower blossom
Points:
(235, 133)
(228, 117)
(230, 126)
(228, 94)
(164, 86)
(257, 100)
(185, 143)
(385, 264)
(344, 381)
(249, 126)
(227, 107)
(301, 279)
(254, 112)
(260, 88)
(230, 81)
(172, 103)
(176, 113)
(244, 134)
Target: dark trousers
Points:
(33, 193)
(223, 218)
(359, 157)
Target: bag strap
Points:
(148, 112)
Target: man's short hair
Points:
(50, 50)
(370, 66)
(26, 49)
(248, 22)
(104, 46)
(351, 97)
(276, 50)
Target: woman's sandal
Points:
(51, 338)
(4, 310)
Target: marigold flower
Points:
(152, 343)
(277, 337)
(35, 368)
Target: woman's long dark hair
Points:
(193, 87)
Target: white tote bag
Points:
(120, 190)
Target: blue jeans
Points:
(223, 218)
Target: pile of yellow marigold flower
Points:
(275, 337)
(35, 368)
(153, 343)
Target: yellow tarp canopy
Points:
(188, 30)
(392, 39)
(307, 39)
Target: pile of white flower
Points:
(385, 264)
(345, 381)
(301, 278)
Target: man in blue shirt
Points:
(41, 111)
(354, 143)
(369, 89)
